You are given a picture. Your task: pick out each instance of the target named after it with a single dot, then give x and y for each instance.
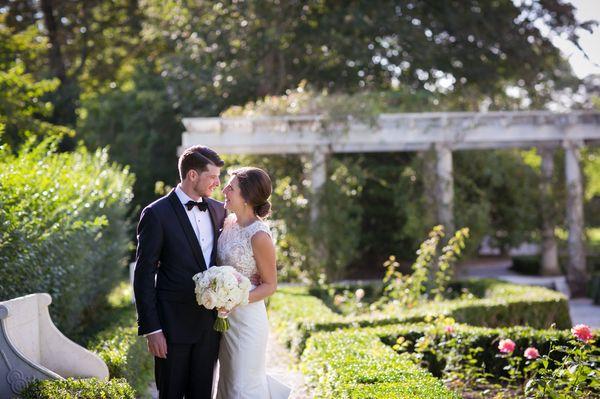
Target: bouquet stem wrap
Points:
(222, 322)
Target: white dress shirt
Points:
(201, 224)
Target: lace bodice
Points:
(234, 247)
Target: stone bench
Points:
(31, 347)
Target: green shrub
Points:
(64, 228)
(355, 364)
(494, 303)
(501, 304)
(118, 344)
(296, 315)
(442, 351)
(78, 389)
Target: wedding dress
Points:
(242, 352)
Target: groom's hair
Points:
(196, 158)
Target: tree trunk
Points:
(67, 94)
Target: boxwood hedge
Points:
(355, 364)
(296, 314)
(78, 389)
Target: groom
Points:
(177, 238)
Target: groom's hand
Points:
(157, 345)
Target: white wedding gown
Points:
(242, 368)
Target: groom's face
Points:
(206, 181)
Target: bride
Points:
(246, 244)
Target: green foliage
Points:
(566, 370)
(495, 303)
(64, 228)
(229, 53)
(23, 107)
(338, 229)
(501, 191)
(445, 352)
(353, 364)
(468, 357)
(296, 314)
(139, 124)
(78, 389)
(118, 344)
(431, 271)
(87, 45)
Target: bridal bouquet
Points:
(223, 288)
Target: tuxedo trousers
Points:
(187, 372)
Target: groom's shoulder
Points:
(158, 205)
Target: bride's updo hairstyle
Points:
(255, 186)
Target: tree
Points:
(139, 123)
(87, 42)
(22, 106)
(215, 54)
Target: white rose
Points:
(209, 299)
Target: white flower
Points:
(221, 287)
(208, 299)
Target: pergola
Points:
(446, 132)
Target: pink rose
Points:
(532, 353)
(449, 329)
(582, 332)
(506, 345)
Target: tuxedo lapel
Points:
(213, 219)
(187, 228)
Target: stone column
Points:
(318, 179)
(548, 210)
(317, 257)
(576, 268)
(445, 187)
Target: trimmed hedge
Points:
(356, 364)
(502, 304)
(295, 314)
(455, 350)
(64, 228)
(78, 389)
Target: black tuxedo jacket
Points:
(168, 255)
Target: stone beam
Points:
(391, 132)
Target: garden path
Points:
(582, 310)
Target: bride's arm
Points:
(264, 254)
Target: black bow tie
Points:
(203, 206)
